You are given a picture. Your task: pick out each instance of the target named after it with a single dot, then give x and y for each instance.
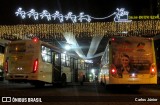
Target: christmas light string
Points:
(121, 26)
(70, 16)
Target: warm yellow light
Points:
(49, 31)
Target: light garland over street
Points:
(110, 29)
(81, 26)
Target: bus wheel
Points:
(63, 80)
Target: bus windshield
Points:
(17, 47)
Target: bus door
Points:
(72, 68)
(75, 71)
(56, 66)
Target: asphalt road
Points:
(75, 94)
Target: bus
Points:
(157, 52)
(81, 74)
(39, 63)
(2, 48)
(128, 61)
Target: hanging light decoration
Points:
(134, 28)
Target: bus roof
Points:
(3, 42)
(53, 47)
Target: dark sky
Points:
(95, 8)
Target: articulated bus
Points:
(38, 63)
(129, 61)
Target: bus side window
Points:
(76, 63)
(67, 60)
(63, 59)
(56, 58)
(2, 49)
(46, 54)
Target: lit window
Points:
(46, 54)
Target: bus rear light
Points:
(35, 66)
(113, 39)
(113, 71)
(35, 39)
(152, 71)
(6, 66)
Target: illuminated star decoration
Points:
(120, 16)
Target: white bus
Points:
(82, 69)
(129, 61)
(38, 62)
(157, 52)
(2, 49)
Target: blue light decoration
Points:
(120, 16)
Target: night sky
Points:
(95, 8)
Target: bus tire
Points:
(63, 80)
